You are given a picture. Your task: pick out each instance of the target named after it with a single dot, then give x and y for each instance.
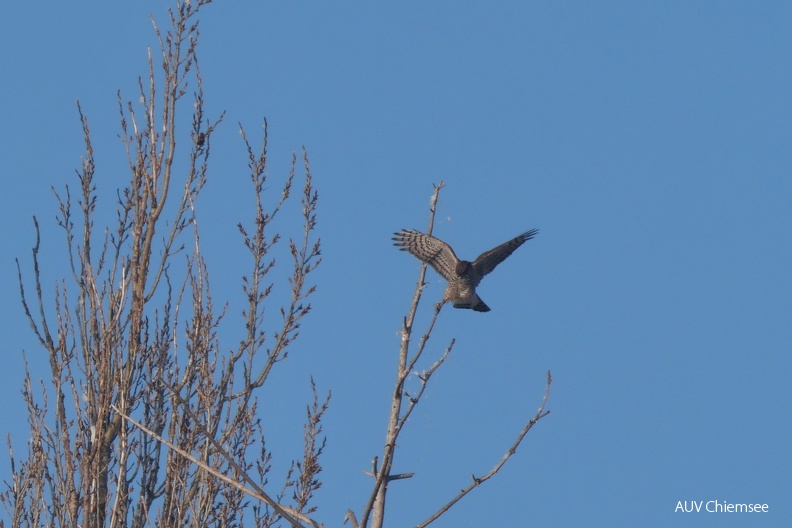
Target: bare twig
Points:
(424, 379)
(477, 481)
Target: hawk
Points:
(462, 276)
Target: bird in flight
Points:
(462, 276)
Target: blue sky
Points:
(648, 141)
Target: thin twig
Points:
(477, 481)
(424, 377)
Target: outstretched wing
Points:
(428, 249)
(487, 261)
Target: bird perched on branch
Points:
(462, 276)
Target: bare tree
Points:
(147, 420)
(130, 342)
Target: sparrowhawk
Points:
(462, 276)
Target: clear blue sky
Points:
(650, 142)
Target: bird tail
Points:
(471, 304)
(481, 306)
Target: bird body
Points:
(463, 276)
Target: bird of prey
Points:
(462, 276)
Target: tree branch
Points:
(477, 481)
(289, 514)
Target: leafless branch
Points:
(477, 481)
(397, 419)
(292, 516)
